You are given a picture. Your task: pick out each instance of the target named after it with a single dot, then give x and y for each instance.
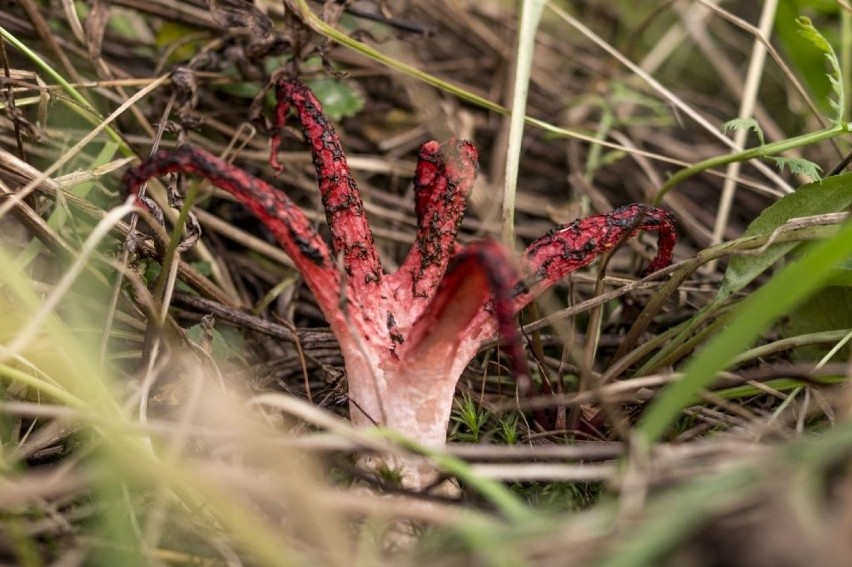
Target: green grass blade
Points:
(530, 17)
(90, 113)
(788, 288)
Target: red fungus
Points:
(406, 337)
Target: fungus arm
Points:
(444, 178)
(275, 209)
(571, 246)
(351, 236)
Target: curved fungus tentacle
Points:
(351, 236)
(443, 180)
(406, 337)
(573, 245)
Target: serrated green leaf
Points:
(809, 32)
(835, 77)
(833, 194)
(798, 166)
(744, 124)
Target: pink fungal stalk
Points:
(406, 337)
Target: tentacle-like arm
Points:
(571, 246)
(275, 209)
(351, 236)
(443, 180)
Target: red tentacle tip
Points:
(286, 91)
(661, 221)
(274, 145)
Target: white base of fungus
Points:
(413, 397)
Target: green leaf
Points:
(828, 310)
(243, 89)
(744, 124)
(833, 194)
(809, 32)
(799, 166)
(778, 384)
(339, 100)
(835, 77)
(171, 34)
(842, 276)
(205, 268)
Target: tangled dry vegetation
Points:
(174, 395)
